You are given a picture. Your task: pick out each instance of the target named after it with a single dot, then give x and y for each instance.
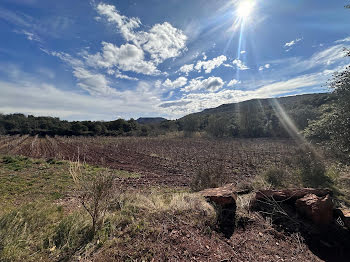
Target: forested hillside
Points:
(258, 117)
(253, 118)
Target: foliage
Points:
(277, 177)
(209, 175)
(312, 169)
(332, 127)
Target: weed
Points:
(277, 177)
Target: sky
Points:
(109, 59)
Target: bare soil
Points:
(159, 161)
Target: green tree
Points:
(190, 125)
(333, 126)
(217, 127)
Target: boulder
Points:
(290, 195)
(224, 200)
(317, 209)
(221, 196)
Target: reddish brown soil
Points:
(160, 161)
(258, 242)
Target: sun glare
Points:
(245, 9)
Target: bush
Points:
(209, 175)
(277, 177)
(312, 170)
(93, 191)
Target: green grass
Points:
(36, 227)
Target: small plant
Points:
(209, 175)
(312, 170)
(277, 177)
(94, 191)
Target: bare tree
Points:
(93, 191)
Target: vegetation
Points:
(251, 119)
(93, 191)
(332, 127)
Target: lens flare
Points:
(245, 9)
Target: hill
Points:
(258, 117)
(150, 120)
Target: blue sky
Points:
(100, 60)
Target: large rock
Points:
(290, 195)
(224, 200)
(318, 209)
(221, 196)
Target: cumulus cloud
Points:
(162, 41)
(125, 24)
(209, 65)
(211, 84)
(243, 52)
(240, 65)
(187, 69)
(233, 82)
(127, 57)
(180, 82)
(267, 66)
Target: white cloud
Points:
(125, 24)
(127, 57)
(180, 82)
(120, 75)
(204, 56)
(347, 39)
(209, 65)
(162, 41)
(233, 82)
(243, 52)
(29, 35)
(240, 65)
(95, 84)
(195, 102)
(289, 45)
(267, 66)
(187, 69)
(211, 84)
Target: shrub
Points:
(312, 170)
(277, 177)
(94, 191)
(210, 174)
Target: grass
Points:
(36, 227)
(25, 180)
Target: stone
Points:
(290, 195)
(221, 196)
(224, 200)
(317, 209)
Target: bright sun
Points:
(245, 9)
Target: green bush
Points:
(209, 175)
(277, 177)
(312, 170)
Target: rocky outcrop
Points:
(290, 195)
(221, 196)
(224, 200)
(317, 209)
